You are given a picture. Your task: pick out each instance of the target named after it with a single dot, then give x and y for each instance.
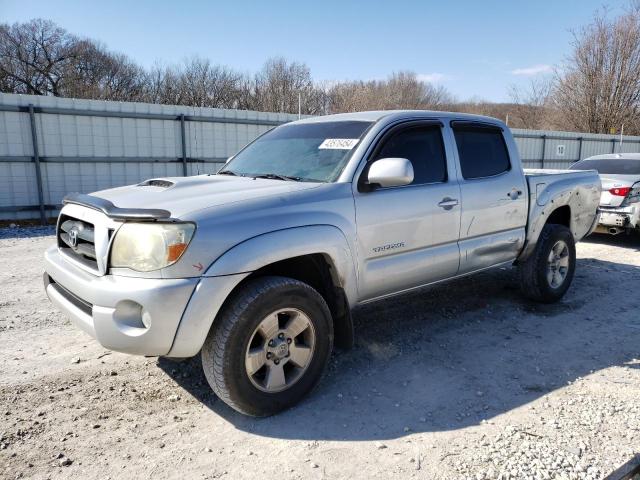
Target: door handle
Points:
(448, 203)
(514, 194)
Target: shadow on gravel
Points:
(631, 240)
(448, 357)
(26, 232)
(628, 471)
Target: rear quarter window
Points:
(482, 151)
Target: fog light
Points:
(131, 318)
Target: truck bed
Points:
(541, 180)
(530, 172)
(578, 190)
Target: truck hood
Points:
(183, 195)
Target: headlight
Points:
(150, 246)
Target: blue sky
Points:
(474, 48)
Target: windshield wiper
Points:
(275, 176)
(228, 172)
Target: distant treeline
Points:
(596, 89)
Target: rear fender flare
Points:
(550, 197)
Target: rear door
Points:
(493, 194)
(407, 236)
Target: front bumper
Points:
(142, 316)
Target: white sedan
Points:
(620, 199)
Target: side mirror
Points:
(390, 172)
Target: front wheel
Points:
(269, 346)
(547, 274)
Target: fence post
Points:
(544, 149)
(580, 149)
(36, 159)
(184, 145)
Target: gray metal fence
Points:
(549, 149)
(51, 146)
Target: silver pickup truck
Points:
(257, 268)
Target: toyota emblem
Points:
(73, 237)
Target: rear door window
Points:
(482, 151)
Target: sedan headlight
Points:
(150, 246)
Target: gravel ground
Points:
(466, 380)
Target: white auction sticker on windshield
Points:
(339, 143)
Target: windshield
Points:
(611, 166)
(305, 152)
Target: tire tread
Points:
(532, 284)
(217, 342)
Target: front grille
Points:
(76, 238)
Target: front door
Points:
(407, 236)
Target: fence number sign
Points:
(560, 150)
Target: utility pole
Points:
(299, 105)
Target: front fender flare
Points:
(237, 263)
(265, 249)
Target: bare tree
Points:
(599, 88)
(400, 90)
(202, 84)
(405, 90)
(41, 58)
(353, 96)
(7, 83)
(246, 93)
(100, 74)
(38, 57)
(35, 56)
(436, 96)
(162, 85)
(531, 103)
(280, 85)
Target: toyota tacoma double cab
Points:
(257, 268)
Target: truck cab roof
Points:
(392, 115)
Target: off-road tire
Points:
(223, 352)
(533, 272)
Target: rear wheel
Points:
(269, 346)
(547, 274)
